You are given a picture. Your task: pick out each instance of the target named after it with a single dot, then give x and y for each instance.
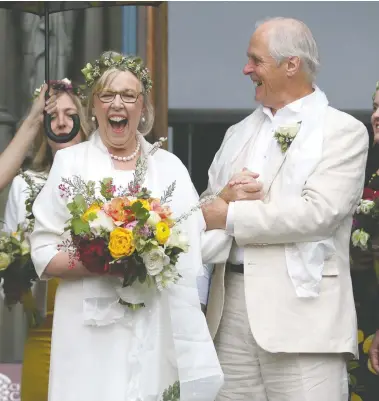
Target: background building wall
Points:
(208, 43)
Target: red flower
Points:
(94, 255)
(370, 194)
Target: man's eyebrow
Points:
(253, 55)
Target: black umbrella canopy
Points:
(38, 7)
(44, 9)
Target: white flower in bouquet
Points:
(5, 260)
(178, 239)
(16, 235)
(4, 241)
(360, 239)
(155, 260)
(167, 277)
(101, 223)
(154, 219)
(365, 206)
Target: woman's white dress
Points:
(100, 349)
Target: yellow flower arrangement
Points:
(94, 208)
(121, 243)
(144, 202)
(162, 232)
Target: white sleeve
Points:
(215, 246)
(203, 283)
(230, 219)
(50, 214)
(16, 200)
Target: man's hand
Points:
(215, 214)
(374, 352)
(243, 186)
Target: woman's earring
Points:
(93, 118)
(143, 119)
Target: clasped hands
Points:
(242, 186)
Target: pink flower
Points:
(164, 212)
(131, 225)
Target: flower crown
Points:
(63, 85)
(133, 64)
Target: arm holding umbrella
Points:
(14, 155)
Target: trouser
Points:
(253, 374)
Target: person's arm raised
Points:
(14, 155)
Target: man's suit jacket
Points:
(279, 320)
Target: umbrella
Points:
(44, 9)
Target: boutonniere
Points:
(286, 134)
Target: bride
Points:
(102, 350)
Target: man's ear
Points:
(293, 65)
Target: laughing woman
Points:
(102, 350)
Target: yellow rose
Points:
(355, 397)
(94, 208)
(145, 203)
(361, 336)
(162, 232)
(370, 368)
(121, 243)
(367, 344)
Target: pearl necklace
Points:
(127, 158)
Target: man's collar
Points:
(295, 106)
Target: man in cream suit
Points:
(281, 306)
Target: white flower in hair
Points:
(66, 81)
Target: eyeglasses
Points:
(126, 97)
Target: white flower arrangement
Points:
(286, 134)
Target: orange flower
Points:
(116, 209)
(163, 211)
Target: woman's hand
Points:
(35, 116)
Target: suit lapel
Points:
(235, 145)
(248, 134)
(274, 167)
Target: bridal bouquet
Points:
(366, 219)
(17, 272)
(123, 231)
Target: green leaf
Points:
(80, 202)
(136, 207)
(79, 226)
(15, 241)
(140, 212)
(71, 207)
(91, 217)
(105, 186)
(352, 381)
(353, 365)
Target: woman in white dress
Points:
(102, 350)
(36, 361)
